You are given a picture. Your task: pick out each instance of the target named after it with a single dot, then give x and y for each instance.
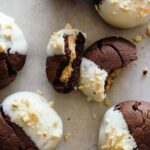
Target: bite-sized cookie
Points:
(64, 52)
(124, 14)
(101, 63)
(27, 122)
(13, 50)
(126, 127)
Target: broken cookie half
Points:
(13, 50)
(126, 126)
(101, 63)
(27, 122)
(64, 53)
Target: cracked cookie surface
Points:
(137, 116)
(111, 53)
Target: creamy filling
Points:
(38, 120)
(92, 80)
(11, 37)
(114, 133)
(66, 74)
(56, 46)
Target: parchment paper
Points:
(38, 19)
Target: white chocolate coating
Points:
(39, 121)
(11, 36)
(92, 80)
(114, 132)
(125, 13)
(56, 45)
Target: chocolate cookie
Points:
(27, 122)
(64, 52)
(123, 14)
(101, 63)
(13, 50)
(129, 125)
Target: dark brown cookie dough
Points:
(96, 2)
(10, 64)
(111, 53)
(55, 66)
(137, 117)
(12, 137)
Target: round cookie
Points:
(13, 50)
(126, 127)
(64, 53)
(101, 63)
(124, 14)
(27, 122)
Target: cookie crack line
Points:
(117, 53)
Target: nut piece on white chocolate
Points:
(124, 14)
(114, 133)
(38, 120)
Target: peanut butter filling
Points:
(111, 78)
(66, 74)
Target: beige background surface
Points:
(38, 19)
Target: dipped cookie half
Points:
(124, 13)
(27, 122)
(64, 54)
(13, 50)
(126, 126)
(101, 63)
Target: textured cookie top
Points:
(137, 117)
(124, 14)
(12, 39)
(111, 53)
(38, 120)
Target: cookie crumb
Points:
(68, 26)
(94, 116)
(107, 102)
(148, 31)
(39, 92)
(67, 136)
(138, 38)
(145, 71)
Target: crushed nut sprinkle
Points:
(55, 125)
(9, 26)
(138, 38)
(15, 105)
(94, 116)
(67, 136)
(114, 141)
(148, 30)
(26, 102)
(107, 102)
(30, 119)
(2, 48)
